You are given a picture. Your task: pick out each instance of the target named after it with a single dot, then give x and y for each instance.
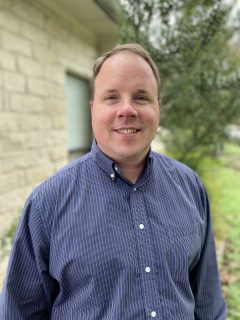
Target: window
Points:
(79, 133)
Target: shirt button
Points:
(147, 269)
(141, 226)
(153, 314)
(112, 175)
(135, 189)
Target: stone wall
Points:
(37, 48)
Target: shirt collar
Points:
(108, 165)
(104, 162)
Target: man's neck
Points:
(131, 172)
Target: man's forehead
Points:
(129, 68)
(123, 58)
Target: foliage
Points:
(189, 41)
(222, 179)
(7, 239)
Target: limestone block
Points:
(8, 163)
(16, 44)
(8, 21)
(34, 140)
(55, 73)
(59, 122)
(30, 67)
(33, 33)
(55, 106)
(34, 123)
(38, 174)
(12, 141)
(38, 87)
(7, 60)
(64, 51)
(26, 103)
(10, 202)
(4, 101)
(25, 191)
(29, 13)
(18, 160)
(59, 92)
(1, 99)
(44, 54)
(8, 122)
(57, 138)
(8, 182)
(42, 155)
(22, 160)
(7, 218)
(56, 29)
(58, 154)
(69, 63)
(14, 81)
(21, 179)
(52, 90)
(82, 67)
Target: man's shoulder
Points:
(73, 166)
(53, 193)
(175, 172)
(65, 176)
(172, 165)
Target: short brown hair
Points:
(134, 48)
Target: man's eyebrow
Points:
(138, 91)
(142, 91)
(110, 91)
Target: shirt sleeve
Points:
(28, 290)
(204, 278)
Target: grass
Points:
(222, 180)
(7, 239)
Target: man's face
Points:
(125, 108)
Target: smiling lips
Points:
(127, 130)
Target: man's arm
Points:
(28, 289)
(204, 278)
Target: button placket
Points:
(145, 248)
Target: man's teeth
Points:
(126, 131)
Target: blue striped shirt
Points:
(91, 245)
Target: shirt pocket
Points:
(184, 250)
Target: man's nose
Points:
(127, 110)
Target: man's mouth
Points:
(127, 130)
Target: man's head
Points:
(125, 106)
(132, 48)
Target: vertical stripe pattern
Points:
(91, 245)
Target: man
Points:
(123, 233)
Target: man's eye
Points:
(111, 98)
(142, 98)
